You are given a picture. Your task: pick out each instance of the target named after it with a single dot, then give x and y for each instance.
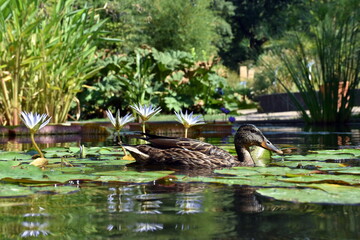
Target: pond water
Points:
(162, 210)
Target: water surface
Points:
(163, 210)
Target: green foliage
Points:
(165, 24)
(324, 63)
(255, 22)
(47, 52)
(171, 79)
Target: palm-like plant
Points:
(188, 120)
(145, 112)
(34, 122)
(119, 122)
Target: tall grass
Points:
(47, 51)
(324, 63)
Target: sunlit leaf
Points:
(14, 156)
(132, 176)
(318, 193)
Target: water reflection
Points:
(36, 224)
(178, 211)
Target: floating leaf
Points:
(355, 152)
(132, 176)
(319, 157)
(318, 193)
(325, 178)
(14, 156)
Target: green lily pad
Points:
(344, 170)
(355, 152)
(306, 164)
(12, 171)
(325, 178)
(57, 154)
(131, 176)
(61, 177)
(55, 149)
(14, 156)
(319, 157)
(318, 193)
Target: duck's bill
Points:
(269, 146)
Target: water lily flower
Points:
(119, 122)
(35, 122)
(145, 112)
(188, 120)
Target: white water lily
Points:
(34, 121)
(188, 120)
(145, 112)
(119, 122)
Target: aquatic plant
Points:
(34, 122)
(188, 120)
(47, 49)
(323, 63)
(119, 122)
(145, 112)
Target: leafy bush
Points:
(173, 80)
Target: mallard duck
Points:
(195, 153)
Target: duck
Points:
(192, 153)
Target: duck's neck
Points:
(244, 156)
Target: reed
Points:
(324, 63)
(47, 52)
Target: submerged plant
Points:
(119, 122)
(34, 122)
(145, 112)
(188, 120)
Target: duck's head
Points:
(248, 135)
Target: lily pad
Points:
(325, 178)
(14, 156)
(131, 176)
(319, 157)
(318, 193)
(355, 152)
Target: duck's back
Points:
(183, 151)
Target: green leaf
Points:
(319, 193)
(131, 176)
(14, 156)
